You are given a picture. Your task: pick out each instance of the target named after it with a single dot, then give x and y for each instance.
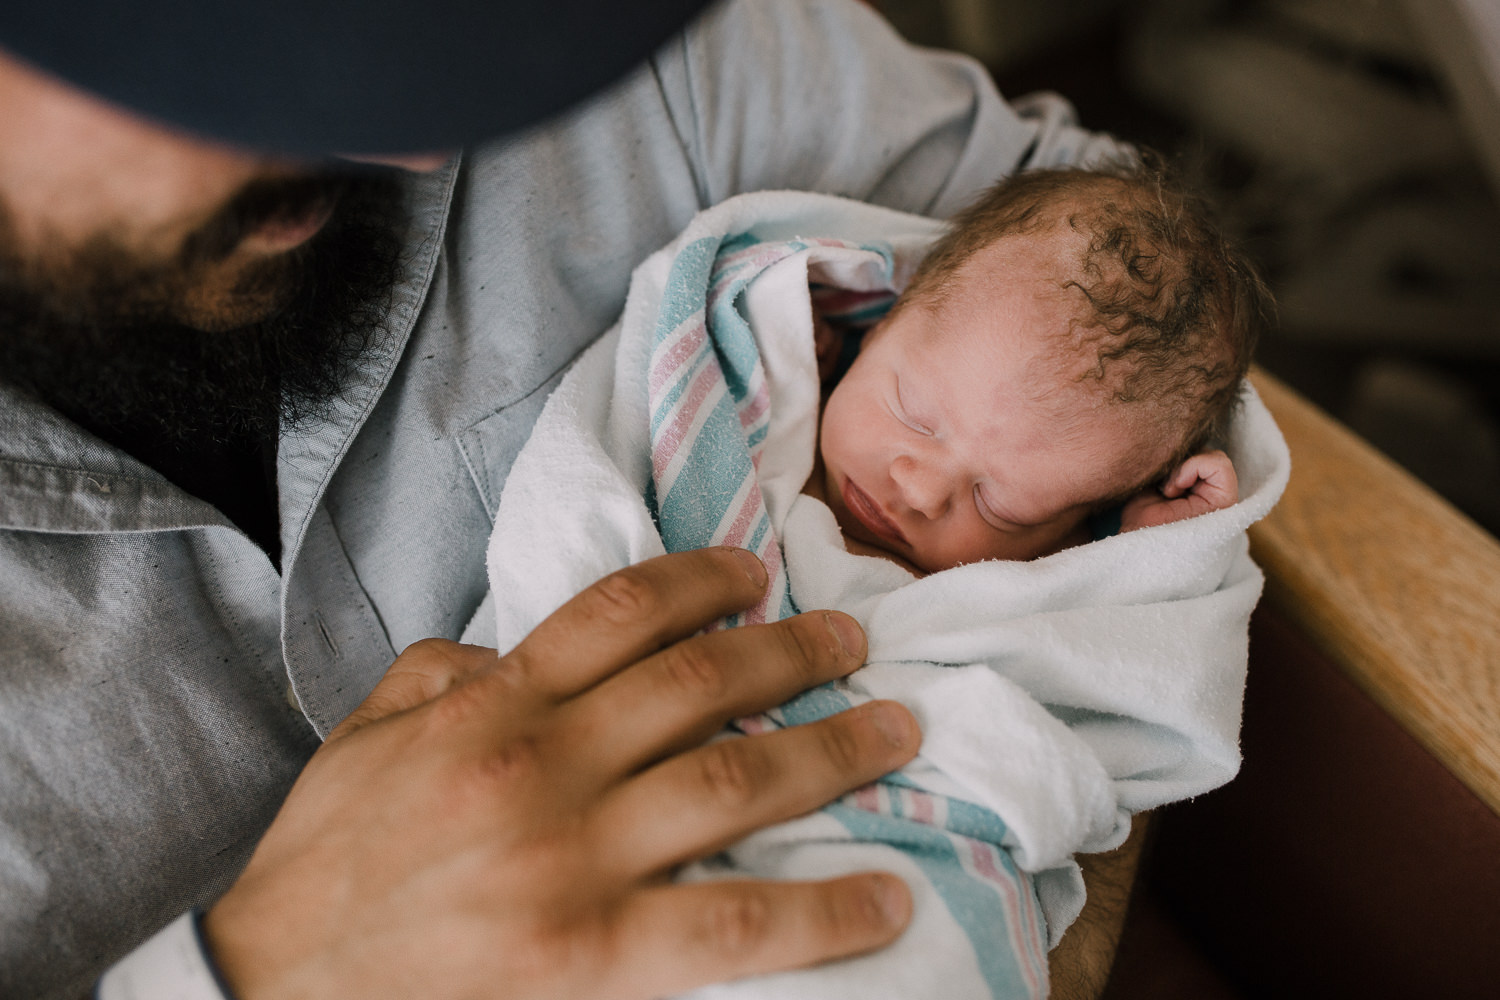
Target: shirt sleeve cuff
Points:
(174, 964)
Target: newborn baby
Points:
(1040, 371)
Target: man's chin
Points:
(221, 314)
(221, 346)
(236, 298)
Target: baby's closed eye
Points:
(902, 412)
(991, 512)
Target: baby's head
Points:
(1067, 344)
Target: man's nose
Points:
(922, 484)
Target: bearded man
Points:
(257, 403)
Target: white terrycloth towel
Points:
(1062, 694)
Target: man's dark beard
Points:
(105, 357)
(177, 398)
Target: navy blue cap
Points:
(352, 76)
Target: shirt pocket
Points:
(490, 445)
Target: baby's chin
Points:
(924, 564)
(860, 547)
(850, 530)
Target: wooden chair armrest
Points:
(1355, 854)
(1392, 583)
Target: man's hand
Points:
(504, 826)
(1202, 483)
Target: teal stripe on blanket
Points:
(974, 903)
(683, 294)
(732, 337)
(708, 410)
(1009, 949)
(693, 505)
(709, 406)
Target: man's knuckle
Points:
(557, 853)
(428, 647)
(516, 758)
(625, 597)
(545, 952)
(841, 745)
(733, 775)
(848, 913)
(499, 772)
(457, 706)
(738, 925)
(520, 667)
(689, 668)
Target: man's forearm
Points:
(1080, 963)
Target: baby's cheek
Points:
(1051, 539)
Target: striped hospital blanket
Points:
(709, 406)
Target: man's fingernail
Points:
(894, 723)
(848, 633)
(892, 900)
(751, 565)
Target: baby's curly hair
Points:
(1170, 307)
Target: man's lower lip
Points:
(867, 513)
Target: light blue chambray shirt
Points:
(161, 684)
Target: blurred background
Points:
(1353, 146)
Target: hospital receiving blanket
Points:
(1057, 697)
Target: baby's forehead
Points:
(1037, 279)
(1083, 412)
(1052, 253)
(1072, 239)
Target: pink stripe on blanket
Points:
(770, 554)
(757, 256)
(685, 412)
(749, 510)
(669, 365)
(755, 408)
(1024, 944)
(922, 809)
(753, 725)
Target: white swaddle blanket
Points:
(1061, 694)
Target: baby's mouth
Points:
(869, 513)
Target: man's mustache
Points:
(258, 202)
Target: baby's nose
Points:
(923, 487)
